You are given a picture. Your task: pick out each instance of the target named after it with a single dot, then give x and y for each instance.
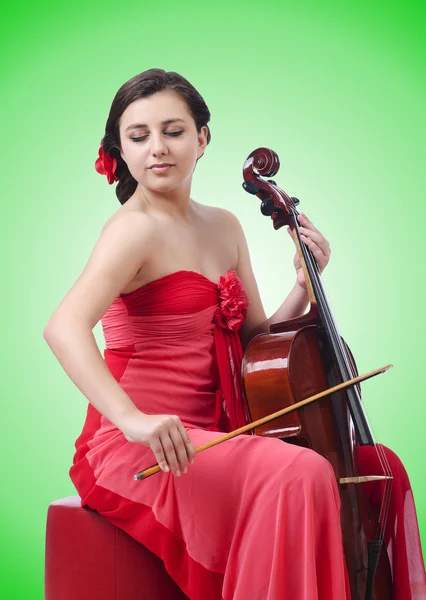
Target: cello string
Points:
(321, 295)
(347, 371)
(387, 492)
(386, 499)
(324, 304)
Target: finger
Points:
(303, 220)
(180, 448)
(190, 450)
(317, 237)
(316, 251)
(157, 448)
(170, 454)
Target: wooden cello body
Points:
(298, 359)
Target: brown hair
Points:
(143, 85)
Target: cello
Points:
(299, 358)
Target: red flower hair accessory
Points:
(233, 302)
(106, 165)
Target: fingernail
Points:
(185, 470)
(166, 468)
(177, 473)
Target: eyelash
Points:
(140, 139)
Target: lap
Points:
(240, 484)
(219, 478)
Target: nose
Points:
(158, 145)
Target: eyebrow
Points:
(140, 125)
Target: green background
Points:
(338, 91)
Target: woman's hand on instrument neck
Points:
(316, 242)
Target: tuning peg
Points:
(267, 207)
(250, 187)
(296, 201)
(271, 181)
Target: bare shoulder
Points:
(130, 228)
(231, 226)
(127, 214)
(122, 249)
(224, 219)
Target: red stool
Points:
(88, 558)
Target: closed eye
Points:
(140, 139)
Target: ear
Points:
(202, 140)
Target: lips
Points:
(161, 165)
(163, 170)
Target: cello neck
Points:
(320, 304)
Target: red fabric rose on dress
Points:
(106, 165)
(233, 302)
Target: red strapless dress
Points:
(254, 518)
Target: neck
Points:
(173, 203)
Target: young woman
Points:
(171, 281)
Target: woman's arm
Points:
(75, 347)
(115, 260)
(293, 306)
(296, 302)
(121, 251)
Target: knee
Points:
(315, 475)
(294, 467)
(313, 466)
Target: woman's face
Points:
(147, 139)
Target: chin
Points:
(165, 186)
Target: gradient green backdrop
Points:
(338, 91)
